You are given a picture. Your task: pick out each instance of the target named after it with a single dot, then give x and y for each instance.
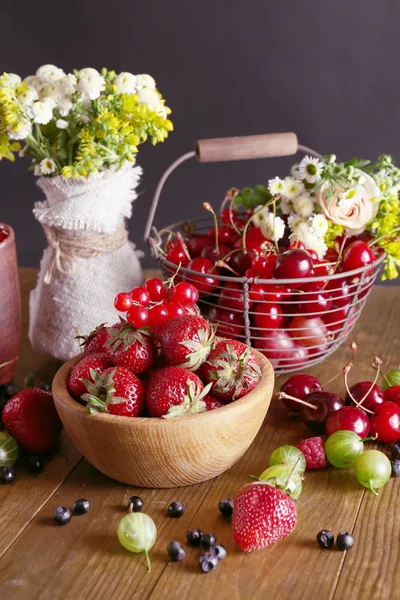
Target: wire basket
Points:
(305, 335)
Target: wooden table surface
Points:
(85, 561)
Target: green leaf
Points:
(391, 378)
(252, 197)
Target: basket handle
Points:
(267, 145)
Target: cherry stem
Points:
(359, 404)
(208, 207)
(353, 347)
(222, 264)
(233, 192)
(281, 395)
(245, 228)
(339, 258)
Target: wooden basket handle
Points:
(267, 145)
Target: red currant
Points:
(175, 310)
(156, 289)
(140, 295)
(158, 314)
(183, 293)
(386, 422)
(137, 316)
(122, 302)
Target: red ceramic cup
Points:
(10, 304)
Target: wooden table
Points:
(85, 561)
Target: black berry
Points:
(226, 507)
(34, 464)
(207, 540)
(7, 474)
(176, 551)
(135, 503)
(81, 507)
(396, 468)
(396, 451)
(11, 390)
(208, 562)
(193, 536)
(45, 386)
(218, 551)
(325, 538)
(62, 515)
(176, 510)
(344, 540)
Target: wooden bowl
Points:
(161, 453)
(10, 307)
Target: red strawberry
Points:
(314, 451)
(174, 392)
(116, 391)
(233, 369)
(262, 515)
(131, 348)
(30, 417)
(185, 341)
(212, 403)
(94, 362)
(94, 342)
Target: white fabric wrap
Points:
(75, 304)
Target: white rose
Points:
(145, 81)
(125, 83)
(50, 73)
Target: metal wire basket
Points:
(294, 343)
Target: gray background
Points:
(325, 70)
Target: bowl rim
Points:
(60, 390)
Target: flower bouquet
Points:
(81, 131)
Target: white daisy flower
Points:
(47, 166)
(272, 228)
(319, 224)
(51, 90)
(292, 188)
(50, 73)
(294, 171)
(125, 83)
(275, 186)
(91, 85)
(67, 84)
(303, 205)
(33, 81)
(42, 112)
(61, 124)
(301, 231)
(145, 81)
(19, 131)
(28, 96)
(149, 96)
(285, 205)
(294, 221)
(317, 244)
(10, 80)
(37, 171)
(310, 169)
(88, 71)
(64, 105)
(260, 213)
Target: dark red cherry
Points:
(386, 422)
(322, 267)
(232, 296)
(349, 418)
(313, 254)
(393, 394)
(205, 282)
(239, 261)
(314, 300)
(198, 242)
(358, 391)
(293, 264)
(331, 255)
(212, 254)
(299, 386)
(263, 265)
(356, 255)
(254, 239)
(340, 291)
(334, 319)
(325, 403)
(274, 344)
(230, 323)
(267, 316)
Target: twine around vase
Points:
(66, 248)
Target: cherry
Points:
(175, 310)
(309, 331)
(349, 418)
(296, 244)
(230, 324)
(314, 300)
(232, 296)
(213, 254)
(198, 242)
(299, 386)
(204, 283)
(331, 255)
(356, 255)
(226, 216)
(158, 314)
(358, 391)
(254, 239)
(140, 295)
(156, 289)
(393, 394)
(293, 264)
(177, 256)
(224, 234)
(340, 292)
(334, 320)
(264, 265)
(386, 422)
(275, 345)
(313, 254)
(122, 301)
(137, 316)
(322, 267)
(325, 403)
(239, 261)
(296, 357)
(267, 316)
(185, 294)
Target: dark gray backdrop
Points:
(326, 70)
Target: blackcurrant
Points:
(194, 536)
(34, 464)
(7, 474)
(344, 540)
(226, 507)
(45, 386)
(81, 507)
(11, 390)
(207, 540)
(176, 551)
(396, 451)
(176, 510)
(62, 515)
(208, 562)
(325, 538)
(135, 503)
(395, 468)
(218, 551)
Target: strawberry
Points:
(94, 342)
(116, 391)
(131, 348)
(262, 515)
(174, 392)
(211, 403)
(185, 341)
(233, 369)
(30, 417)
(93, 362)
